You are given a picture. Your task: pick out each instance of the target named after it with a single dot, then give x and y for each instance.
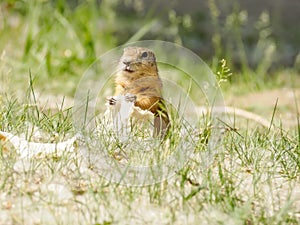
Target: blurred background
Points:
(56, 41)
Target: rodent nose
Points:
(127, 62)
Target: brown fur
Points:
(138, 75)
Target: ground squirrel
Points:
(138, 75)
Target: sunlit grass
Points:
(253, 179)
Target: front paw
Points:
(111, 100)
(130, 98)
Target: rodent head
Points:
(139, 60)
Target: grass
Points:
(253, 180)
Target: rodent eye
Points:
(144, 54)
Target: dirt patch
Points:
(263, 103)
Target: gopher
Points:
(138, 76)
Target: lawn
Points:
(235, 169)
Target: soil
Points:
(285, 101)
